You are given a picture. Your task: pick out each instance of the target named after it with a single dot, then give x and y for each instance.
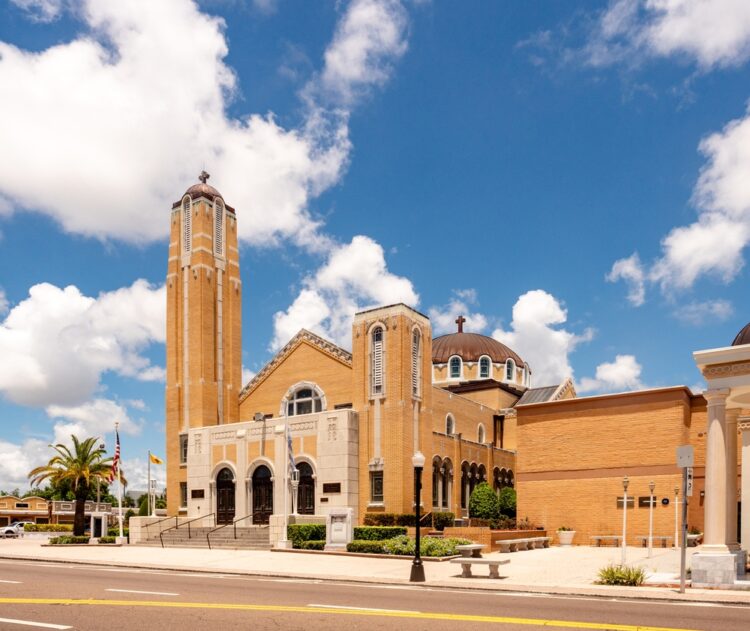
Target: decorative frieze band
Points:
(726, 370)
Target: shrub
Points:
(380, 519)
(441, 520)
(503, 523)
(483, 502)
(114, 531)
(67, 539)
(378, 533)
(128, 514)
(313, 544)
(406, 519)
(507, 501)
(428, 546)
(107, 539)
(48, 528)
(564, 529)
(621, 575)
(298, 533)
(526, 524)
(368, 547)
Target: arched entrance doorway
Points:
(225, 496)
(262, 495)
(306, 490)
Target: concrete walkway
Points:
(556, 570)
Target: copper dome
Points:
(743, 337)
(202, 189)
(470, 347)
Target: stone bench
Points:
(663, 540)
(470, 550)
(694, 539)
(616, 539)
(467, 562)
(513, 545)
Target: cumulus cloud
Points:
(152, 112)
(57, 343)
(537, 335)
(4, 304)
(713, 33)
(136, 471)
(354, 277)
(698, 313)
(16, 460)
(713, 245)
(623, 374)
(444, 317)
(93, 418)
(41, 10)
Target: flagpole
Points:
(119, 484)
(150, 511)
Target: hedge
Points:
(313, 544)
(65, 539)
(48, 528)
(107, 539)
(114, 531)
(368, 547)
(299, 533)
(377, 533)
(429, 546)
(390, 519)
(441, 520)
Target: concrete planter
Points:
(565, 537)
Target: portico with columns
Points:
(722, 559)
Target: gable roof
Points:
(547, 393)
(303, 337)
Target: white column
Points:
(731, 418)
(744, 426)
(715, 506)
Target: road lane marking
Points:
(133, 591)
(503, 620)
(317, 606)
(29, 623)
(11, 582)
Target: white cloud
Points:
(135, 471)
(711, 33)
(16, 460)
(4, 304)
(93, 418)
(57, 343)
(443, 318)
(354, 277)
(536, 335)
(623, 374)
(41, 10)
(714, 244)
(698, 313)
(247, 375)
(152, 112)
(631, 271)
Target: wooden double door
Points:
(262, 495)
(225, 507)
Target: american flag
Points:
(292, 464)
(116, 459)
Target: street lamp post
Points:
(676, 514)
(625, 483)
(651, 487)
(417, 568)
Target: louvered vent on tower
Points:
(219, 228)
(187, 231)
(377, 361)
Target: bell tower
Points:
(204, 343)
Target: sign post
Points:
(685, 461)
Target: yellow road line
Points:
(540, 622)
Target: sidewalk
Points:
(555, 570)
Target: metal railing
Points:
(185, 523)
(233, 523)
(153, 523)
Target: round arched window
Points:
(305, 400)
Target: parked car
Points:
(14, 530)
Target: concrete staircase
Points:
(248, 538)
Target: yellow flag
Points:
(155, 459)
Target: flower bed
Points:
(404, 546)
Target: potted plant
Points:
(565, 535)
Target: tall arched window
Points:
(376, 360)
(480, 434)
(304, 401)
(455, 367)
(450, 425)
(416, 354)
(187, 230)
(218, 228)
(484, 368)
(510, 370)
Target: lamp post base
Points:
(417, 573)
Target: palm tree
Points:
(81, 467)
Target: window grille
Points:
(183, 448)
(377, 361)
(219, 229)
(484, 368)
(376, 486)
(415, 350)
(187, 231)
(455, 367)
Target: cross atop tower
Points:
(203, 176)
(460, 322)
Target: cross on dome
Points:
(460, 322)
(203, 176)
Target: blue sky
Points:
(573, 177)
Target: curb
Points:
(575, 592)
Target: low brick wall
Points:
(487, 537)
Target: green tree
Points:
(507, 499)
(80, 467)
(483, 502)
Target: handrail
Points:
(233, 523)
(424, 517)
(185, 523)
(153, 523)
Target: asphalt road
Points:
(59, 596)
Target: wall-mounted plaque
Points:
(631, 502)
(332, 487)
(644, 501)
(197, 494)
(323, 499)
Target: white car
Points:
(14, 530)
